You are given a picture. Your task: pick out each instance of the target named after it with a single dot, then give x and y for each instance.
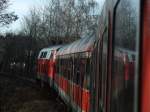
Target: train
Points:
(46, 65)
(108, 71)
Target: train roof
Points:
(84, 44)
(50, 48)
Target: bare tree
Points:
(31, 23)
(62, 20)
(126, 25)
(6, 17)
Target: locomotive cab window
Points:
(52, 54)
(43, 55)
(125, 41)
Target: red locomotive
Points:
(46, 65)
(109, 73)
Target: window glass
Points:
(77, 76)
(82, 70)
(45, 53)
(52, 54)
(123, 71)
(48, 54)
(87, 76)
(41, 55)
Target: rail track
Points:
(17, 76)
(27, 81)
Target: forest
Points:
(57, 22)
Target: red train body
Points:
(109, 73)
(47, 64)
(145, 56)
(73, 77)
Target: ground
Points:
(18, 95)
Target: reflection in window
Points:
(122, 95)
(126, 25)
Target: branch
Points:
(7, 18)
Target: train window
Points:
(82, 70)
(67, 69)
(87, 75)
(58, 66)
(71, 69)
(123, 72)
(41, 55)
(52, 54)
(77, 76)
(45, 54)
(75, 70)
(79, 71)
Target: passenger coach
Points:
(72, 79)
(121, 58)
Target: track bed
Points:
(20, 95)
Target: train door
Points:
(145, 60)
(125, 41)
(101, 77)
(104, 64)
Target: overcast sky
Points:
(22, 7)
